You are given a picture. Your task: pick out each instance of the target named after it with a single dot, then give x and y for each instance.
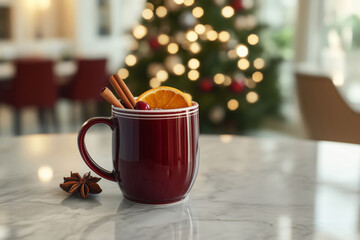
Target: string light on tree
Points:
(154, 82)
(179, 2)
(233, 104)
(259, 63)
(227, 81)
(130, 60)
(257, 76)
(147, 14)
(250, 83)
(193, 75)
(179, 69)
(242, 50)
(162, 75)
(219, 78)
(199, 29)
(198, 12)
(232, 54)
(150, 6)
(173, 48)
(253, 39)
(195, 48)
(227, 12)
(216, 114)
(191, 36)
(243, 64)
(161, 12)
(224, 36)
(123, 73)
(163, 39)
(189, 3)
(252, 97)
(251, 21)
(140, 31)
(212, 35)
(194, 63)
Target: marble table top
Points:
(247, 188)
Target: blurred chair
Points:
(325, 113)
(87, 83)
(33, 86)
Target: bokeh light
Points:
(147, 14)
(161, 12)
(173, 48)
(253, 39)
(198, 12)
(154, 82)
(179, 2)
(227, 11)
(243, 64)
(191, 36)
(195, 47)
(233, 104)
(130, 60)
(162, 75)
(193, 75)
(242, 50)
(123, 73)
(259, 63)
(194, 63)
(212, 35)
(219, 78)
(257, 76)
(139, 31)
(199, 29)
(252, 97)
(179, 69)
(224, 36)
(163, 39)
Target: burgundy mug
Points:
(155, 152)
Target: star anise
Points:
(84, 185)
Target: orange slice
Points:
(165, 98)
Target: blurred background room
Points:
(270, 68)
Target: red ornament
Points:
(154, 44)
(237, 5)
(206, 85)
(237, 86)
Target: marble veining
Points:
(247, 188)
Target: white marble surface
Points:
(247, 188)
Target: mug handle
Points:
(83, 150)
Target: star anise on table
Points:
(84, 185)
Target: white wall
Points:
(77, 27)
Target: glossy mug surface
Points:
(155, 152)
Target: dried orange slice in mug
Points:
(165, 98)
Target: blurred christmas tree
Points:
(210, 50)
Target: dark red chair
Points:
(33, 86)
(87, 83)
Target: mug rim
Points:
(174, 110)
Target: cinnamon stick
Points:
(120, 92)
(125, 89)
(110, 97)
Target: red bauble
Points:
(206, 85)
(154, 44)
(237, 5)
(237, 86)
